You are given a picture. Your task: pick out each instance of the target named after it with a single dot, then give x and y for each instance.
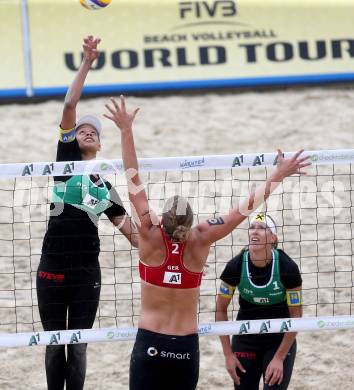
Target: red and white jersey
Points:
(171, 273)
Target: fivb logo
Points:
(172, 278)
(207, 9)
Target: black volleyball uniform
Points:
(255, 351)
(69, 277)
(160, 361)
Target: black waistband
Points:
(155, 335)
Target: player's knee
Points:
(53, 354)
(77, 351)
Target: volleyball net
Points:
(314, 216)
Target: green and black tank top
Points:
(270, 293)
(77, 203)
(262, 290)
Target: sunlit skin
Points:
(88, 140)
(261, 243)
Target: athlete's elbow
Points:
(70, 104)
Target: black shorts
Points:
(160, 362)
(68, 291)
(255, 353)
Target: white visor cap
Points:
(90, 120)
(266, 220)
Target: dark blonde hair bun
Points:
(177, 218)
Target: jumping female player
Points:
(69, 278)
(172, 256)
(269, 283)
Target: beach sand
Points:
(184, 125)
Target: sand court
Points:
(184, 125)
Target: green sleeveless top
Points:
(80, 192)
(271, 293)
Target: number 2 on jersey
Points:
(175, 249)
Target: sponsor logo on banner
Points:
(121, 334)
(203, 329)
(172, 278)
(110, 335)
(145, 165)
(206, 9)
(208, 43)
(332, 157)
(335, 324)
(238, 161)
(104, 166)
(192, 163)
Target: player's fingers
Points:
(108, 117)
(240, 366)
(122, 102)
(234, 376)
(135, 112)
(109, 109)
(297, 154)
(268, 375)
(280, 154)
(270, 379)
(116, 106)
(280, 379)
(302, 159)
(303, 165)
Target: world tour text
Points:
(276, 52)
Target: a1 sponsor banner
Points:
(12, 75)
(172, 44)
(266, 326)
(185, 163)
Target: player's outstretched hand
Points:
(291, 166)
(90, 48)
(119, 115)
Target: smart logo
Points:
(152, 351)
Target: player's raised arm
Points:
(137, 195)
(216, 228)
(73, 95)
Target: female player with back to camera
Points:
(269, 284)
(69, 277)
(172, 257)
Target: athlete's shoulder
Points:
(233, 266)
(108, 184)
(238, 258)
(286, 262)
(283, 256)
